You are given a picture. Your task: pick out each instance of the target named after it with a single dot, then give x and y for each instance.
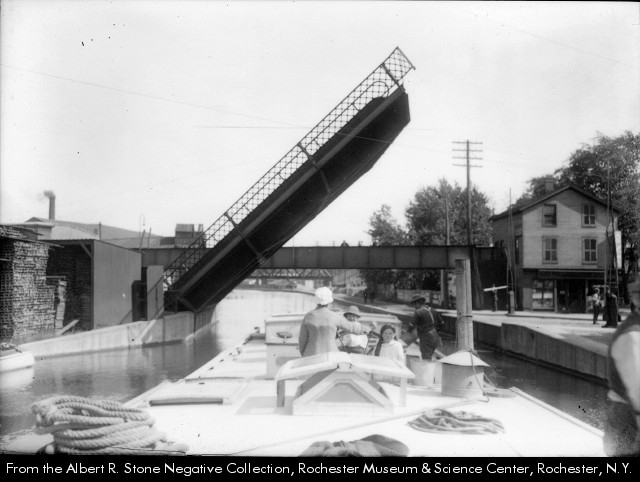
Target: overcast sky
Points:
(144, 114)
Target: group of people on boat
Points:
(322, 329)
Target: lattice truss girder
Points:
(307, 273)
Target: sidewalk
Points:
(535, 318)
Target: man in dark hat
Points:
(426, 321)
(622, 426)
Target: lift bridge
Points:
(330, 158)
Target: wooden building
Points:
(560, 246)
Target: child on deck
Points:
(388, 346)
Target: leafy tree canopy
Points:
(384, 229)
(428, 215)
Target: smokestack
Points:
(52, 204)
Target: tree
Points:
(385, 230)
(537, 188)
(613, 163)
(427, 215)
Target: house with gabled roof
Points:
(560, 246)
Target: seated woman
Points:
(389, 346)
(351, 342)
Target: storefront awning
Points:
(571, 274)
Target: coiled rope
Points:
(86, 426)
(443, 421)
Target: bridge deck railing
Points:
(382, 82)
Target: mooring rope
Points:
(86, 426)
(444, 421)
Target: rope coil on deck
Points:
(443, 421)
(86, 426)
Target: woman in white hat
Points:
(319, 326)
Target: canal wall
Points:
(555, 346)
(177, 327)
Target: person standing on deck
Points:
(424, 319)
(595, 300)
(611, 308)
(319, 326)
(622, 425)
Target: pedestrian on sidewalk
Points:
(611, 307)
(622, 425)
(425, 322)
(595, 300)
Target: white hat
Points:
(324, 296)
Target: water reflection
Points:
(124, 374)
(579, 397)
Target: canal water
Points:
(123, 374)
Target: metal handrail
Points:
(381, 82)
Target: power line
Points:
(148, 96)
(468, 157)
(538, 36)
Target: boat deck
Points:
(229, 407)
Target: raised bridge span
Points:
(330, 158)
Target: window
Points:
(549, 215)
(550, 250)
(589, 250)
(543, 295)
(588, 214)
(516, 249)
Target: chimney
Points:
(549, 185)
(52, 204)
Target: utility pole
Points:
(468, 157)
(444, 278)
(611, 266)
(446, 209)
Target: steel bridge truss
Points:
(353, 135)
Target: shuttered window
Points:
(550, 250)
(589, 250)
(549, 215)
(588, 215)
